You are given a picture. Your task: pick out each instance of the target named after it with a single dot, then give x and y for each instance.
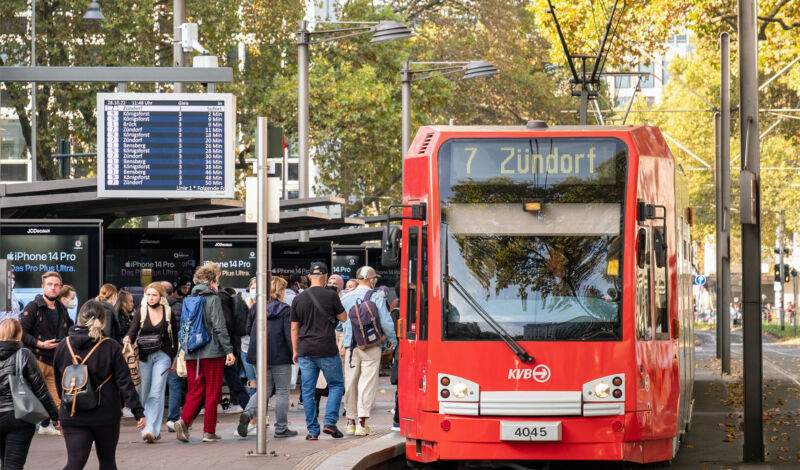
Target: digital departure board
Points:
(161, 145)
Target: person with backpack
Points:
(367, 327)
(207, 349)
(18, 363)
(155, 332)
(235, 311)
(314, 316)
(93, 376)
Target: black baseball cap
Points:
(318, 267)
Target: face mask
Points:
(253, 294)
(333, 288)
(72, 304)
(155, 305)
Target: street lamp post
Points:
(381, 31)
(471, 69)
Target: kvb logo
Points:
(540, 373)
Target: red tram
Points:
(545, 294)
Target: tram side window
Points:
(644, 331)
(660, 275)
(411, 301)
(422, 328)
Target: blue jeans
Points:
(331, 368)
(151, 393)
(250, 372)
(175, 385)
(234, 380)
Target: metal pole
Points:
(794, 304)
(178, 56)
(718, 209)
(584, 105)
(724, 277)
(753, 448)
(261, 289)
(405, 82)
(34, 168)
(302, 107)
(782, 271)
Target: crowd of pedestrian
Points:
(183, 341)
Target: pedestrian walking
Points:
(108, 297)
(108, 373)
(315, 314)
(45, 322)
(279, 360)
(204, 365)
(155, 332)
(249, 369)
(368, 320)
(124, 309)
(16, 435)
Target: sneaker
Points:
(49, 430)
(244, 423)
(285, 433)
(251, 431)
(171, 426)
(350, 429)
(149, 438)
(126, 413)
(181, 431)
(234, 409)
(363, 430)
(332, 430)
(396, 427)
(211, 437)
(312, 437)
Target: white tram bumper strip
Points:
(603, 409)
(530, 404)
(458, 408)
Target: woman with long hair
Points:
(16, 435)
(279, 360)
(249, 369)
(107, 297)
(155, 331)
(109, 375)
(124, 309)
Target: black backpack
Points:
(77, 391)
(236, 313)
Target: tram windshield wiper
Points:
(507, 338)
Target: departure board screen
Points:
(164, 145)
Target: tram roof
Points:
(534, 129)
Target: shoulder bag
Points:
(27, 407)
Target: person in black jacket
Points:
(101, 424)
(15, 435)
(45, 321)
(279, 359)
(108, 297)
(154, 330)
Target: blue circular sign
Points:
(700, 280)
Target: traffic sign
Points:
(700, 280)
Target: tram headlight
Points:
(601, 390)
(460, 390)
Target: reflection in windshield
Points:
(550, 275)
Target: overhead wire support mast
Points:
(586, 91)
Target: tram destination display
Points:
(162, 145)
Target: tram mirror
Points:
(390, 247)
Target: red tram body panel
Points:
(567, 244)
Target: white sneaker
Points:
(49, 430)
(171, 426)
(126, 413)
(233, 410)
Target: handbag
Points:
(27, 407)
(180, 364)
(149, 344)
(131, 355)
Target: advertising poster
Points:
(72, 250)
(135, 258)
(236, 258)
(345, 260)
(294, 258)
(390, 277)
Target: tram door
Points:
(415, 329)
(645, 357)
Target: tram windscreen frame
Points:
(532, 231)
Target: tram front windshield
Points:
(532, 238)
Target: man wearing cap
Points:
(314, 316)
(362, 365)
